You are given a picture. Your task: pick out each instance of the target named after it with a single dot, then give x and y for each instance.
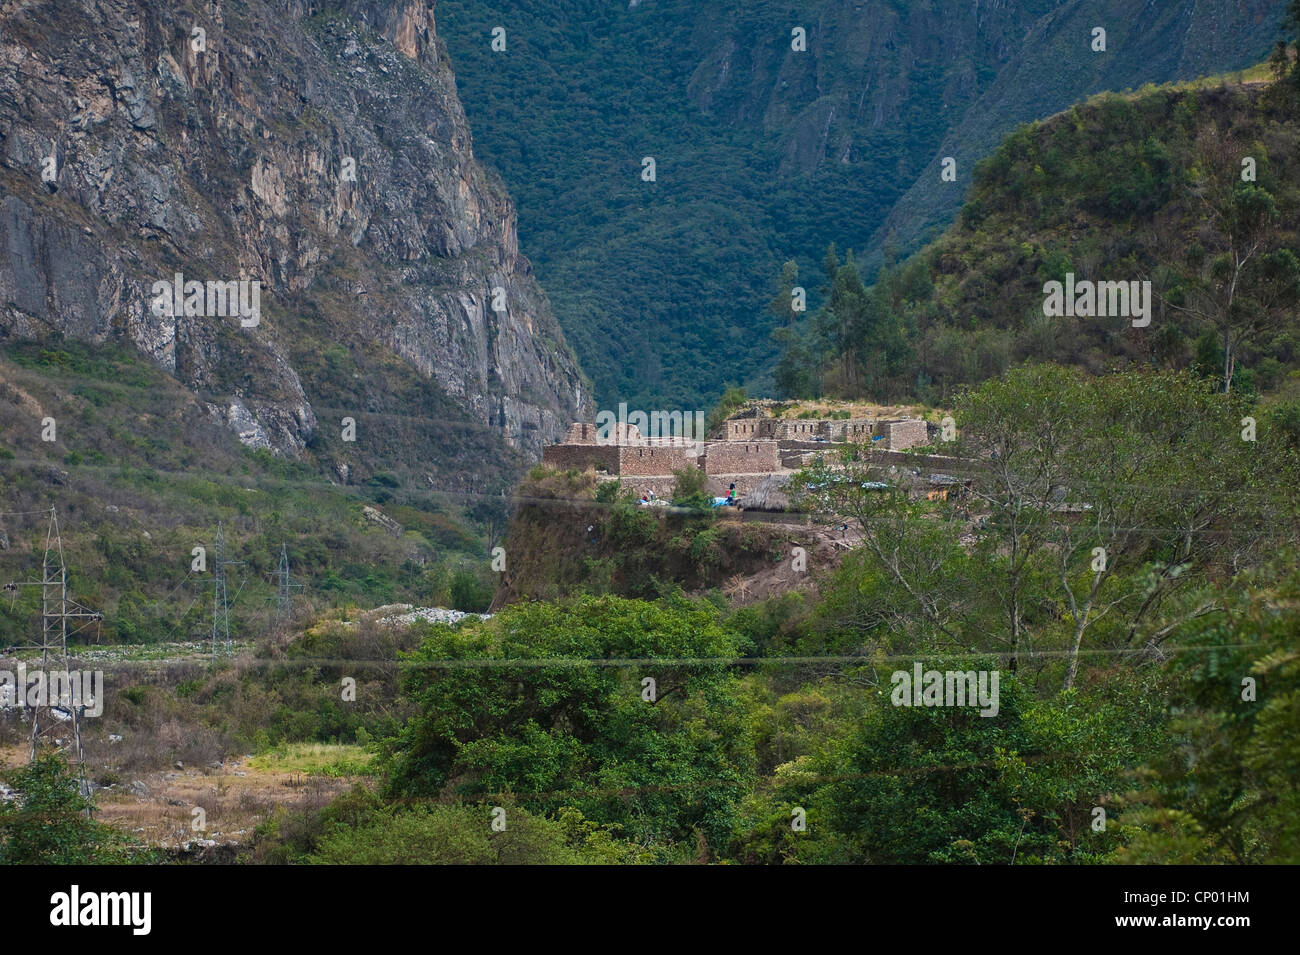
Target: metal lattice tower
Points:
(57, 716)
(284, 608)
(220, 601)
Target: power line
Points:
(537, 663)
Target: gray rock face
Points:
(324, 155)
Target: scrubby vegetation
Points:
(1151, 686)
(1193, 188)
(572, 534)
(142, 475)
(1155, 691)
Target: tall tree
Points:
(793, 374)
(1245, 287)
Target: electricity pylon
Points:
(56, 716)
(284, 608)
(220, 598)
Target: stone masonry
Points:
(741, 457)
(753, 446)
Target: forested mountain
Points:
(1194, 189)
(766, 153)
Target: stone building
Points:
(582, 457)
(749, 448)
(900, 434)
(850, 429)
(741, 457)
(646, 459)
(584, 432)
(747, 429)
(894, 434)
(801, 429)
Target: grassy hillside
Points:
(141, 476)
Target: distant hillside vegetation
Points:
(1194, 188)
(141, 474)
(767, 149)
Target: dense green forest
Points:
(763, 152)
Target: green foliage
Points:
(471, 591)
(358, 828)
(763, 156)
(47, 824)
(1140, 187)
(732, 399)
(607, 543)
(462, 835)
(689, 490)
(576, 733)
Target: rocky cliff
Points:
(317, 149)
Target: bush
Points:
(451, 835)
(46, 824)
(469, 592)
(688, 489)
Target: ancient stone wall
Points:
(800, 430)
(851, 429)
(579, 457)
(741, 457)
(580, 432)
(747, 429)
(584, 432)
(903, 433)
(654, 460)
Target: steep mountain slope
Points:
(371, 415)
(141, 474)
(1149, 42)
(1192, 189)
(318, 149)
(765, 153)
